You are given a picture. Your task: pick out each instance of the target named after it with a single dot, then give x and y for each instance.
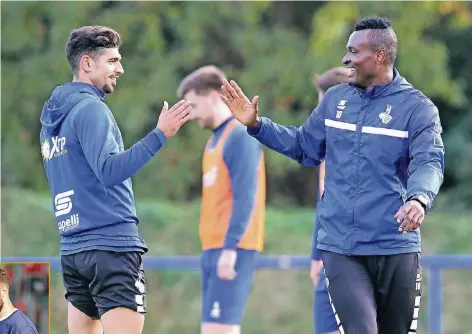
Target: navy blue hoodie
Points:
(89, 171)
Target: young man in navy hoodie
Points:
(381, 141)
(89, 175)
(12, 320)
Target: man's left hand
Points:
(410, 216)
(226, 264)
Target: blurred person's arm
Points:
(315, 252)
(242, 155)
(316, 261)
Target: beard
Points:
(1, 304)
(107, 89)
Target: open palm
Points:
(245, 112)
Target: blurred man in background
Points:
(89, 175)
(233, 204)
(323, 316)
(381, 141)
(12, 320)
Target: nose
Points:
(119, 69)
(346, 60)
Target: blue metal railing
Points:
(434, 263)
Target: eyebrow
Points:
(114, 59)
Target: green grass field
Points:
(281, 299)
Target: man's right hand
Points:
(245, 112)
(170, 120)
(316, 266)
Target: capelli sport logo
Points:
(56, 150)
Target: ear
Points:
(86, 62)
(380, 56)
(214, 96)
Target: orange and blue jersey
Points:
(233, 190)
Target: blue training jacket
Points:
(89, 171)
(381, 147)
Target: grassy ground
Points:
(280, 301)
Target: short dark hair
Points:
(381, 35)
(89, 40)
(203, 80)
(4, 278)
(330, 78)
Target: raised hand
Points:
(170, 120)
(245, 112)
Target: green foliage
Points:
(281, 300)
(271, 48)
(459, 144)
(422, 60)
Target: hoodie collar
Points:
(94, 89)
(62, 100)
(379, 89)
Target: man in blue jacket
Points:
(89, 173)
(381, 142)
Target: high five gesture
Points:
(245, 112)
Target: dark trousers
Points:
(374, 294)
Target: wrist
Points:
(256, 122)
(230, 244)
(421, 203)
(228, 255)
(422, 200)
(160, 128)
(160, 135)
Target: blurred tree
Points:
(421, 59)
(270, 48)
(458, 123)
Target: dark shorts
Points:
(323, 315)
(98, 281)
(374, 294)
(224, 301)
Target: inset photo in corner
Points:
(24, 297)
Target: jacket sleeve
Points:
(111, 165)
(243, 172)
(426, 151)
(305, 144)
